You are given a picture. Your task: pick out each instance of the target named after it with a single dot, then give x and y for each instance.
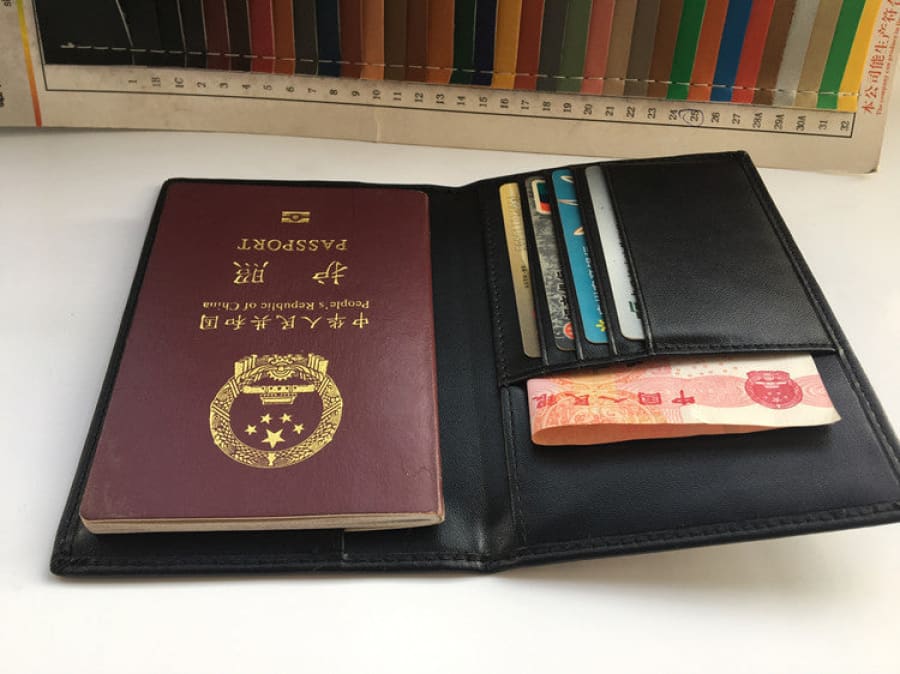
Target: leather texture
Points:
(509, 502)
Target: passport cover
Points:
(279, 367)
(716, 271)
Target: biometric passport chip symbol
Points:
(295, 217)
(277, 380)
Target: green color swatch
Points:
(571, 66)
(463, 42)
(844, 32)
(686, 48)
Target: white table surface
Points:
(74, 208)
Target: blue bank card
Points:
(579, 258)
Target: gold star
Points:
(298, 428)
(285, 417)
(273, 439)
(267, 418)
(250, 430)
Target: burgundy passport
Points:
(279, 369)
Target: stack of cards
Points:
(570, 272)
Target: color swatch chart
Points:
(795, 83)
(808, 54)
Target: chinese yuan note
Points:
(679, 397)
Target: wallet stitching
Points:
(825, 318)
(515, 466)
(495, 299)
(288, 558)
(883, 438)
(723, 347)
(791, 251)
(514, 469)
(598, 543)
(756, 346)
(707, 530)
(674, 344)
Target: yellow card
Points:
(511, 204)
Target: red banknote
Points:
(678, 397)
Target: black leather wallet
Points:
(716, 272)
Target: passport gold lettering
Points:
(279, 306)
(333, 273)
(209, 322)
(262, 322)
(233, 316)
(287, 322)
(225, 306)
(343, 304)
(292, 245)
(249, 273)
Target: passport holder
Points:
(716, 272)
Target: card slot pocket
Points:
(546, 282)
(710, 259)
(583, 298)
(512, 359)
(619, 343)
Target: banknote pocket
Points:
(714, 268)
(672, 488)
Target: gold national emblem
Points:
(277, 380)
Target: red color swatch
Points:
(752, 53)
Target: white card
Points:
(628, 310)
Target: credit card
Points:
(548, 261)
(579, 258)
(514, 225)
(628, 310)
